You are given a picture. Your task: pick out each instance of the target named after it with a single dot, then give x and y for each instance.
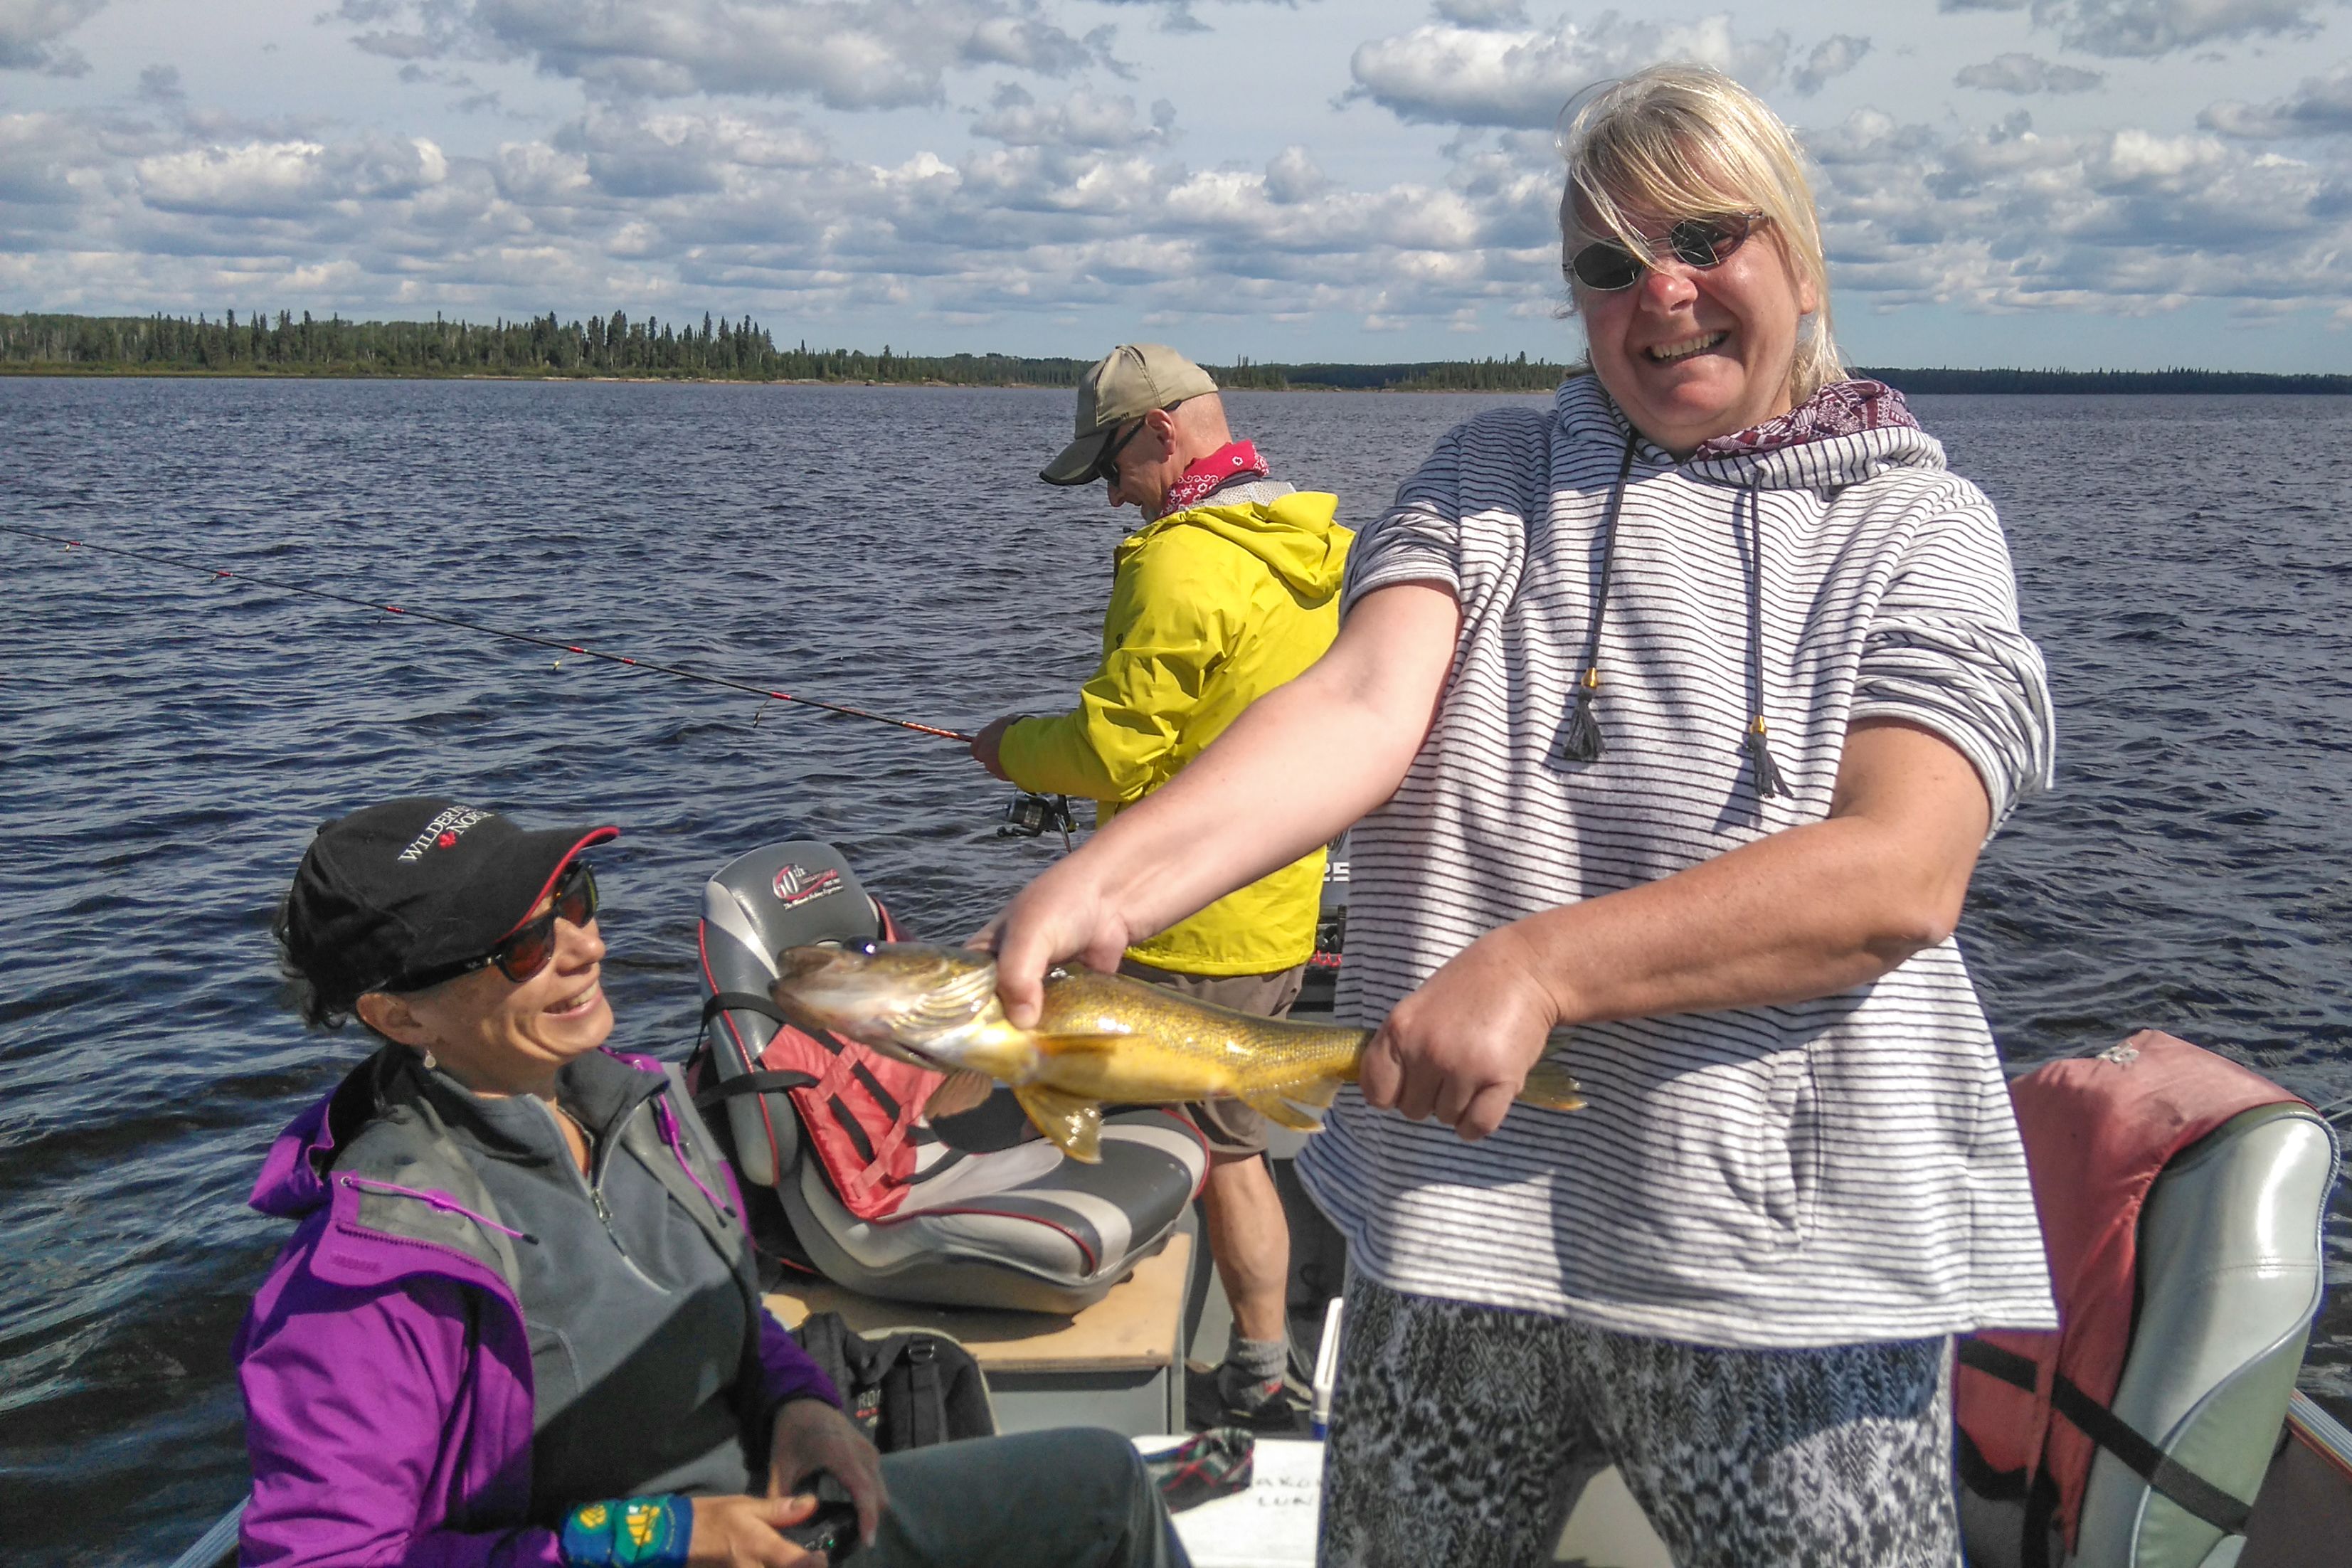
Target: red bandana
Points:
(1841, 408)
(1235, 460)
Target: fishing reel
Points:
(1028, 816)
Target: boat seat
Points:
(2229, 1273)
(1019, 1227)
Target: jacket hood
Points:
(1847, 432)
(293, 1180)
(1293, 533)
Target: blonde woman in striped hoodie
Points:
(1676, 716)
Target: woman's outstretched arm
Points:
(1807, 912)
(1303, 762)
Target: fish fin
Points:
(1072, 1121)
(1280, 1110)
(960, 1091)
(1552, 1087)
(1068, 1045)
(1318, 1093)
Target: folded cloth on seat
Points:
(1205, 1467)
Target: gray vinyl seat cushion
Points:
(2230, 1266)
(2230, 1274)
(1019, 1227)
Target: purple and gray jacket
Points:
(386, 1372)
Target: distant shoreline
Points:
(618, 349)
(1924, 383)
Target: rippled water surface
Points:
(167, 741)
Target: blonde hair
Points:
(1686, 140)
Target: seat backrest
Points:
(793, 894)
(2230, 1267)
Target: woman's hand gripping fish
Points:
(1101, 1039)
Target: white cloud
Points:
(1082, 119)
(1454, 75)
(30, 31)
(1485, 13)
(1832, 58)
(2006, 220)
(1032, 204)
(287, 179)
(278, 179)
(49, 161)
(2025, 74)
(2143, 29)
(2321, 106)
(2146, 29)
(629, 155)
(845, 54)
(1293, 178)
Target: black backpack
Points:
(904, 1390)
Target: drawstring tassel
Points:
(1759, 752)
(1580, 741)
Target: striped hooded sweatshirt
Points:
(1828, 1171)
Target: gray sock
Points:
(1264, 1360)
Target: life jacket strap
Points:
(2165, 1475)
(762, 1082)
(741, 1002)
(876, 1154)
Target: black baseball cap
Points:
(413, 885)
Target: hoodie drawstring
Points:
(1580, 741)
(1752, 562)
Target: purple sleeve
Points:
(349, 1397)
(786, 1369)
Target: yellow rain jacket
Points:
(1210, 609)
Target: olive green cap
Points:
(1128, 383)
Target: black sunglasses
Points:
(531, 946)
(1605, 266)
(1105, 469)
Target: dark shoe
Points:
(1260, 1405)
(1212, 1464)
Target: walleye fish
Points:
(1101, 1039)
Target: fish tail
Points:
(1552, 1087)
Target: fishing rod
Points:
(409, 612)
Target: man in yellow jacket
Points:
(1229, 589)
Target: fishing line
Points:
(412, 613)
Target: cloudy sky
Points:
(2081, 182)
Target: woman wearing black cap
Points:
(519, 1321)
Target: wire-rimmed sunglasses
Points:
(1606, 266)
(1105, 469)
(531, 946)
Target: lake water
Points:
(167, 742)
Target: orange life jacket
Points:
(858, 1108)
(2098, 1131)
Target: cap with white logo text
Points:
(412, 885)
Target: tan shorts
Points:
(1234, 1131)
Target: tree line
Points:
(538, 346)
(615, 345)
(743, 350)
